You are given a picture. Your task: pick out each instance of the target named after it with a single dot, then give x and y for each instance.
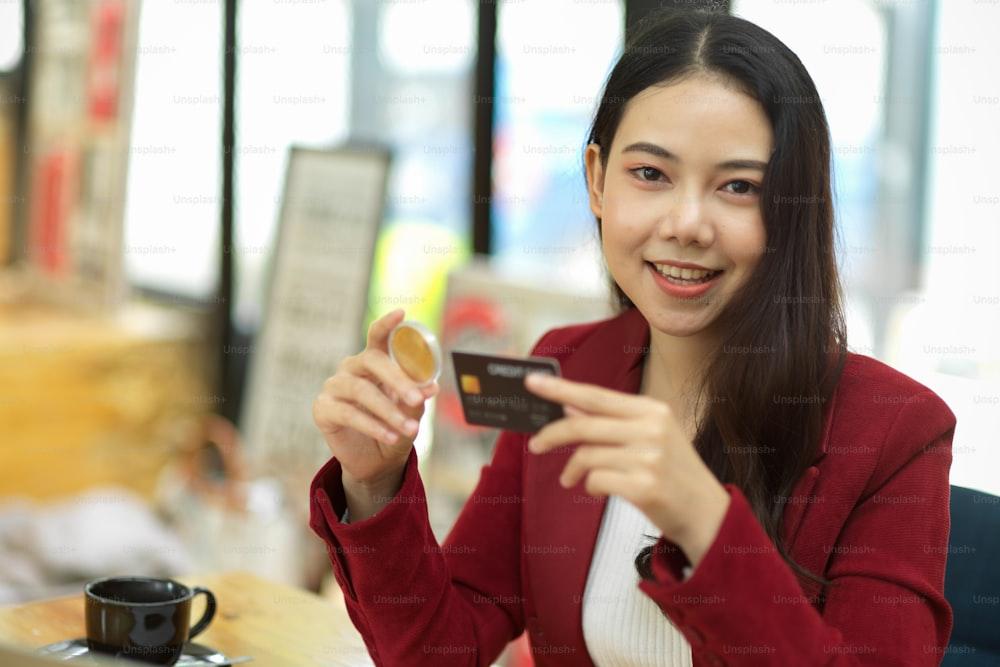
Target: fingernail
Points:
(532, 444)
(537, 379)
(414, 398)
(411, 426)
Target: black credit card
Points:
(493, 392)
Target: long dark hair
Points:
(784, 340)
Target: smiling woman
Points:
(694, 160)
(719, 413)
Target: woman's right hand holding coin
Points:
(369, 412)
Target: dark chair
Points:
(972, 578)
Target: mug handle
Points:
(206, 618)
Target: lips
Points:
(680, 289)
(682, 265)
(684, 275)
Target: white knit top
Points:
(622, 626)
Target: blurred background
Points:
(204, 203)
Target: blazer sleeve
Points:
(743, 604)
(416, 602)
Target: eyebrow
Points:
(659, 151)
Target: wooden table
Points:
(276, 624)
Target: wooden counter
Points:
(90, 401)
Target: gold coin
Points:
(413, 354)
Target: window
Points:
(552, 61)
(414, 92)
(11, 35)
(292, 88)
(173, 191)
(947, 338)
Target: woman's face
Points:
(681, 185)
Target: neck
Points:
(674, 368)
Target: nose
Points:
(685, 220)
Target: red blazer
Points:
(870, 513)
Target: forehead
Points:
(697, 117)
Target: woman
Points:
(783, 501)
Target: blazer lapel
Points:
(802, 498)
(799, 499)
(565, 522)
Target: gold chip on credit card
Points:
(470, 384)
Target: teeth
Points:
(683, 274)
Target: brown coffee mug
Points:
(143, 618)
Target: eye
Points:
(647, 174)
(743, 188)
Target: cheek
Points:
(620, 242)
(622, 225)
(745, 242)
